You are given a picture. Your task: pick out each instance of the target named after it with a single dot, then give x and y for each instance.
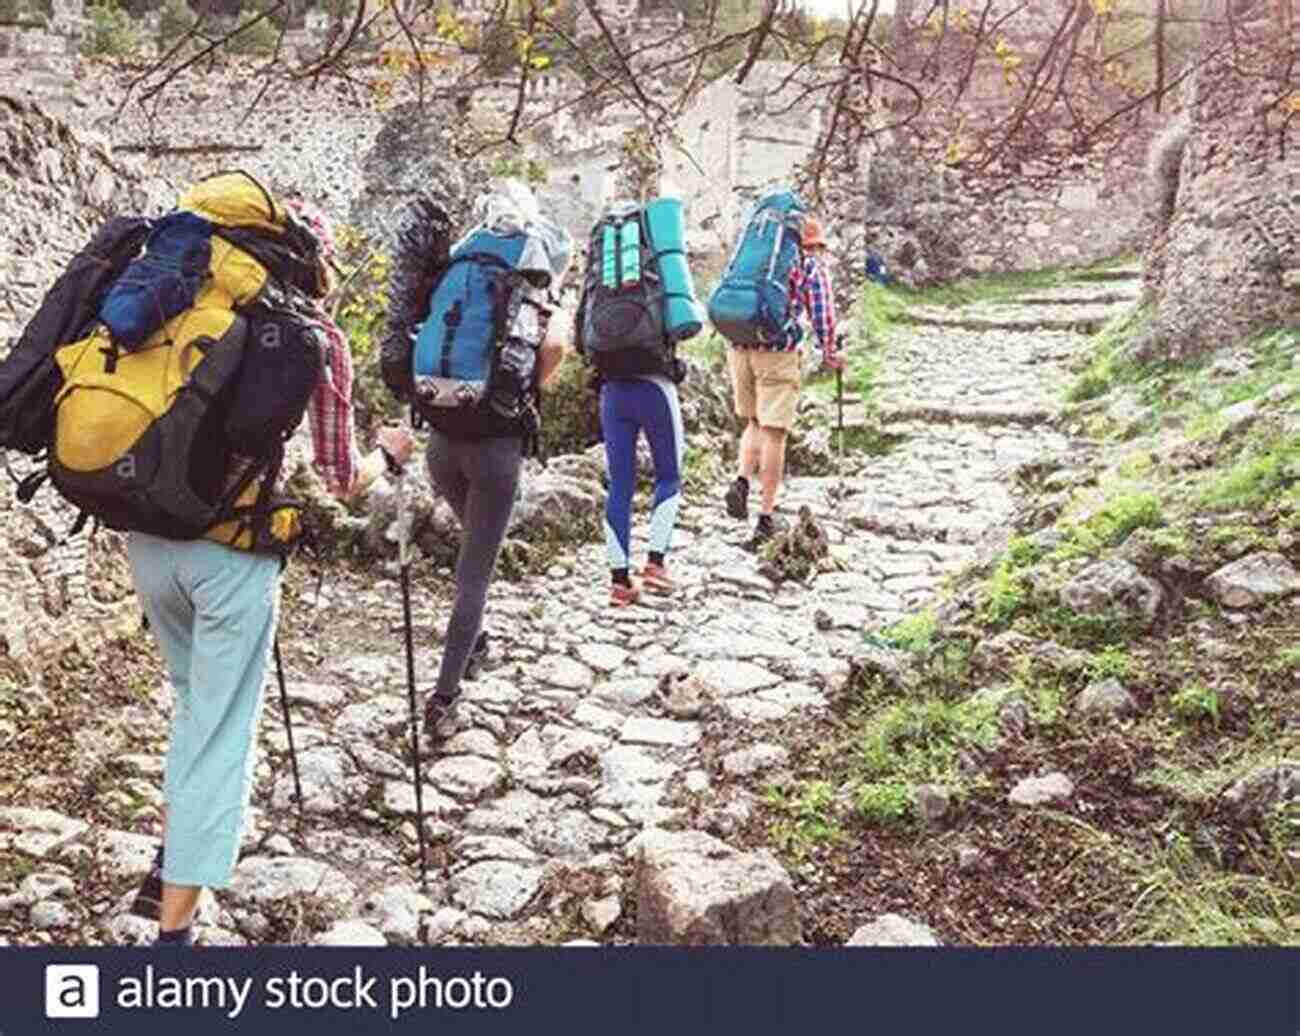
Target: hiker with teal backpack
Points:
(777, 274)
(637, 304)
(162, 376)
(472, 335)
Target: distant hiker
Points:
(876, 270)
(471, 337)
(765, 378)
(214, 610)
(637, 303)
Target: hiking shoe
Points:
(440, 717)
(656, 579)
(477, 656)
(738, 499)
(763, 532)
(621, 596)
(148, 898)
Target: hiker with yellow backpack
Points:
(202, 345)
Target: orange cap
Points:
(813, 237)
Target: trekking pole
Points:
(404, 561)
(839, 400)
(839, 404)
(288, 728)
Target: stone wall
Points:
(57, 189)
(1226, 260)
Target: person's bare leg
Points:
(772, 467)
(178, 905)
(750, 450)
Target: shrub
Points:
(112, 33)
(568, 406)
(360, 314)
(174, 21)
(1195, 703)
(883, 802)
(259, 38)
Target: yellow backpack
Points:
(169, 393)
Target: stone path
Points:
(579, 736)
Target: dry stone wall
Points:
(57, 189)
(1226, 259)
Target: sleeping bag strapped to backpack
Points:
(638, 301)
(420, 257)
(29, 377)
(199, 364)
(751, 304)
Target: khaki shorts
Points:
(765, 385)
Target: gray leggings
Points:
(479, 478)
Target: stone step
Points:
(1082, 325)
(945, 413)
(1127, 273)
(1093, 299)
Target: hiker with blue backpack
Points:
(472, 335)
(637, 303)
(777, 275)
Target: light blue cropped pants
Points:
(214, 611)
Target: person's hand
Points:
(833, 361)
(397, 443)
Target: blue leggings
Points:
(626, 409)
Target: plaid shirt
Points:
(810, 285)
(329, 413)
(810, 293)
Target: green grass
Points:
(919, 740)
(1002, 595)
(805, 818)
(1111, 525)
(1182, 898)
(883, 803)
(1268, 468)
(1195, 703)
(990, 287)
(1107, 367)
(1111, 661)
(1287, 658)
(914, 633)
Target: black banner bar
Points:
(668, 992)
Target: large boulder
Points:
(693, 889)
(1253, 580)
(1111, 586)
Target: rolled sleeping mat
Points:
(665, 227)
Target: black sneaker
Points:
(477, 656)
(148, 898)
(738, 498)
(440, 717)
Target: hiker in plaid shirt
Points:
(765, 381)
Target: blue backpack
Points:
(751, 304)
(478, 300)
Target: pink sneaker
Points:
(656, 579)
(621, 596)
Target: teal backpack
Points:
(751, 305)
